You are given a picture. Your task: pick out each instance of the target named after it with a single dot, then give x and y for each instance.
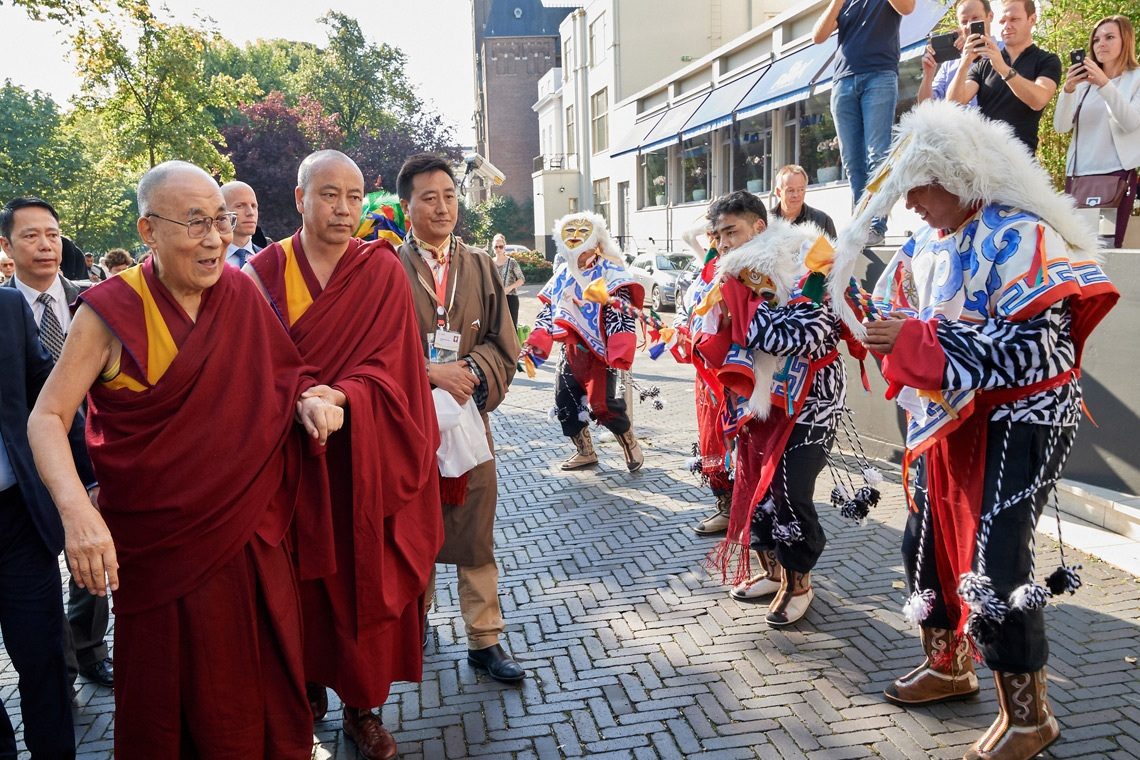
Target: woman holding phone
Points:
(1100, 101)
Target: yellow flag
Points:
(820, 256)
(598, 291)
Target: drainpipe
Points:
(582, 79)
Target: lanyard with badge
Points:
(443, 344)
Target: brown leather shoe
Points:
(584, 454)
(943, 676)
(366, 731)
(1025, 724)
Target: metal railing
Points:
(555, 161)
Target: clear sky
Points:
(434, 34)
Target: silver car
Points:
(657, 273)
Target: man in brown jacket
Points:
(472, 347)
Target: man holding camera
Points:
(939, 68)
(1012, 85)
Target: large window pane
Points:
(818, 140)
(602, 199)
(599, 108)
(655, 178)
(752, 157)
(695, 169)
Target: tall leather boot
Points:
(943, 676)
(632, 450)
(764, 583)
(584, 456)
(1025, 724)
(717, 522)
(792, 600)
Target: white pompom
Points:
(872, 476)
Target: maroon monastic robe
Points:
(197, 454)
(364, 624)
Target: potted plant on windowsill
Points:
(698, 177)
(828, 154)
(659, 184)
(755, 183)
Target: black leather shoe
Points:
(102, 672)
(497, 663)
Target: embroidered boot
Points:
(717, 522)
(764, 583)
(792, 600)
(632, 450)
(585, 456)
(1025, 724)
(946, 674)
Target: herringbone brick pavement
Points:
(634, 651)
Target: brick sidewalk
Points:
(634, 651)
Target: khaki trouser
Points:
(478, 603)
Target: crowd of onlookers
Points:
(1007, 77)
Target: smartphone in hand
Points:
(1076, 57)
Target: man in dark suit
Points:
(31, 538)
(241, 200)
(30, 235)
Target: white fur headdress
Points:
(975, 158)
(779, 253)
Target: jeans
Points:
(863, 106)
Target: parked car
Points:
(685, 279)
(658, 274)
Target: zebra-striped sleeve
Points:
(1000, 353)
(617, 320)
(545, 318)
(795, 330)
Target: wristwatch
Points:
(1012, 73)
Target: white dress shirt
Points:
(62, 313)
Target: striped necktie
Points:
(51, 331)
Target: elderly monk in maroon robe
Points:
(467, 328)
(348, 308)
(193, 390)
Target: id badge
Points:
(444, 347)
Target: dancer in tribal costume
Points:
(777, 349)
(981, 318)
(598, 340)
(716, 414)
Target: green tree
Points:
(156, 99)
(98, 208)
(360, 83)
(272, 64)
(35, 157)
(1064, 25)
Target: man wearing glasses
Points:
(194, 502)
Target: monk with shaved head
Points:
(348, 307)
(197, 400)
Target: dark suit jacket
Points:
(70, 289)
(24, 366)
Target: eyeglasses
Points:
(200, 228)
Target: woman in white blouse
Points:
(1101, 97)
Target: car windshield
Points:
(673, 263)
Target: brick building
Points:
(516, 42)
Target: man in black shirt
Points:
(791, 185)
(1012, 85)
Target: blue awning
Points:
(790, 79)
(668, 130)
(717, 109)
(636, 136)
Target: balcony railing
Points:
(555, 161)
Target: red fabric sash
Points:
(590, 372)
(192, 467)
(955, 476)
(361, 331)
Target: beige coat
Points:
(479, 314)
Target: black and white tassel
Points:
(982, 629)
(787, 534)
(977, 591)
(1064, 580)
(1030, 596)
